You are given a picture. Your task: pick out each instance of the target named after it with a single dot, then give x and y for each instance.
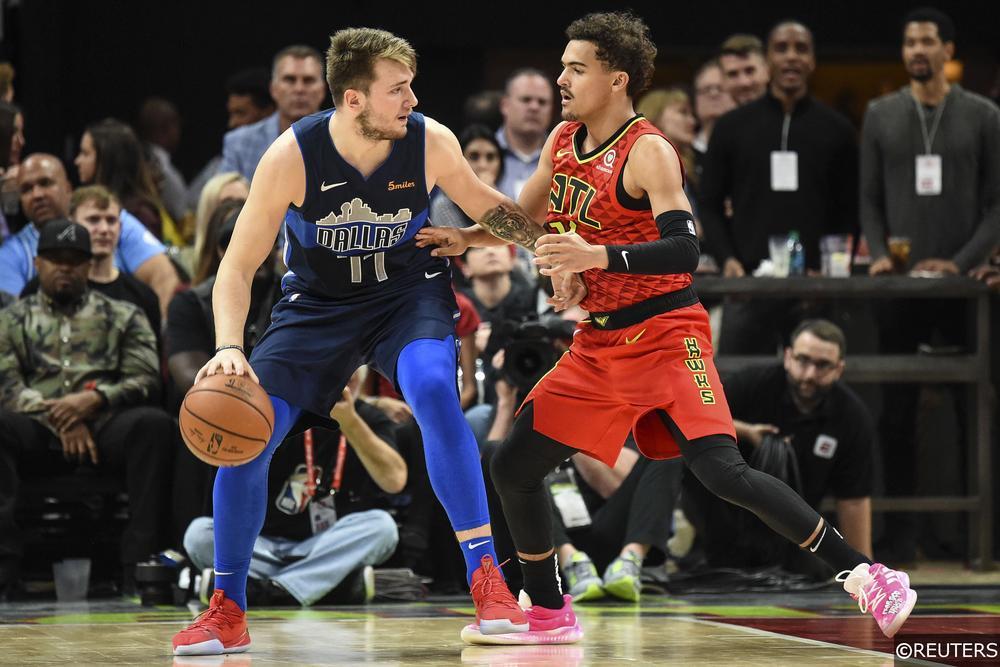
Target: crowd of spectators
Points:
(106, 318)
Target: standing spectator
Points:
(78, 372)
(298, 89)
(744, 69)
(787, 162)
(248, 101)
(159, 128)
(99, 212)
(45, 195)
(6, 82)
(930, 172)
(526, 108)
(111, 155)
(710, 101)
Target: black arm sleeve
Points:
(676, 251)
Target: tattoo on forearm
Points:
(511, 224)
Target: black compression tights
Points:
(522, 461)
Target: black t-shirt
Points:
(834, 444)
(287, 506)
(124, 288)
(191, 328)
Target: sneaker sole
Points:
(904, 613)
(623, 589)
(211, 647)
(592, 592)
(499, 626)
(472, 635)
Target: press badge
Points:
(322, 514)
(784, 171)
(928, 174)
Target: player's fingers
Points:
(545, 239)
(92, 449)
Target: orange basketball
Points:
(226, 420)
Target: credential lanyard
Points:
(929, 136)
(338, 470)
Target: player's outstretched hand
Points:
(557, 253)
(228, 362)
(568, 290)
(449, 241)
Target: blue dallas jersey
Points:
(353, 236)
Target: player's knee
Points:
(721, 468)
(504, 470)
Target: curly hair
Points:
(623, 43)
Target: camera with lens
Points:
(530, 348)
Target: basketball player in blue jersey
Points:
(351, 186)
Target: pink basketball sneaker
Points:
(884, 592)
(545, 626)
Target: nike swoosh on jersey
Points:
(432, 275)
(324, 187)
(629, 342)
(564, 151)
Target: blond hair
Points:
(98, 194)
(208, 201)
(353, 52)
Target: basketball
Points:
(226, 420)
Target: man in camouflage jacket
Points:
(78, 375)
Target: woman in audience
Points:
(221, 187)
(483, 153)
(207, 262)
(111, 155)
(11, 145)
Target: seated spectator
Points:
(45, 196)
(247, 102)
(159, 128)
(229, 186)
(97, 209)
(500, 295)
(11, 145)
(326, 523)
(298, 88)
(485, 156)
(626, 512)
(78, 372)
(111, 155)
(190, 342)
(832, 441)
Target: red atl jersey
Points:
(585, 198)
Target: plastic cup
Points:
(835, 251)
(72, 578)
(899, 252)
(780, 253)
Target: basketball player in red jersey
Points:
(609, 187)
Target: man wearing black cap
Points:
(78, 371)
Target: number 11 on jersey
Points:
(379, 261)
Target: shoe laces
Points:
(492, 588)
(870, 593)
(215, 615)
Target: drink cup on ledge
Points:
(899, 253)
(780, 254)
(835, 251)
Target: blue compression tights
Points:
(240, 503)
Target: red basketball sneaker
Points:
(497, 612)
(220, 629)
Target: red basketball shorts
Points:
(611, 382)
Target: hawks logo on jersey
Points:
(585, 199)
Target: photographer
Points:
(500, 294)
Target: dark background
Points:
(80, 61)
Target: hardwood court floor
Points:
(747, 629)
